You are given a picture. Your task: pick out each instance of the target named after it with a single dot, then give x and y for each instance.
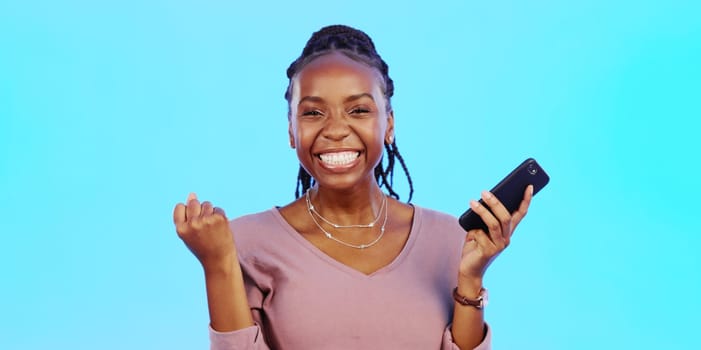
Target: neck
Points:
(348, 207)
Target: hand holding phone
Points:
(509, 192)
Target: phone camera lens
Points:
(532, 169)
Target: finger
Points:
(470, 236)
(493, 225)
(193, 209)
(497, 208)
(483, 241)
(179, 214)
(191, 196)
(219, 211)
(207, 209)
(470, 242)
(499, 211)
(215, 217)
(523, 207)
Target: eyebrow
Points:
(348, 99)
(359, 96)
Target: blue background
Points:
(112, 111)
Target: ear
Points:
(389, 134)
(291, 135)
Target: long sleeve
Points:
(301, 299)
(253, 337)
(249, 338)
(448, 343)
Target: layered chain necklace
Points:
(314, 213)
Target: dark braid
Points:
(358, 46)
(381, 174)
(304, 180)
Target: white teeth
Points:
(338, 158)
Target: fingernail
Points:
(474, 204)
(486, 195)
(530, 188)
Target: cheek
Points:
(301, 137)
(380, 129)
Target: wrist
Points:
(223, 267)
(470, 287)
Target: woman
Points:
(345, 266)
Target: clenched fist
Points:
(205, 230)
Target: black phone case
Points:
(510, 191)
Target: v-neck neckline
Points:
(413, 233)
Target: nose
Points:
(336, 127)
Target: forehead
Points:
(336, 74)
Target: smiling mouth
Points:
(339, 158)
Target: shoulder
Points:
(254, 232)
(434, 214)
(432, 224)
(438, 239)
(436, 218)
(255, 220)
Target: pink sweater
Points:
(302, 299)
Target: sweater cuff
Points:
(239, 339)
(448, 343)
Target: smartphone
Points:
(509, 191)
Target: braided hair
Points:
(358, 46)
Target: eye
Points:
(360, 110)
(311, 113)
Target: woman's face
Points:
(338, 121)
